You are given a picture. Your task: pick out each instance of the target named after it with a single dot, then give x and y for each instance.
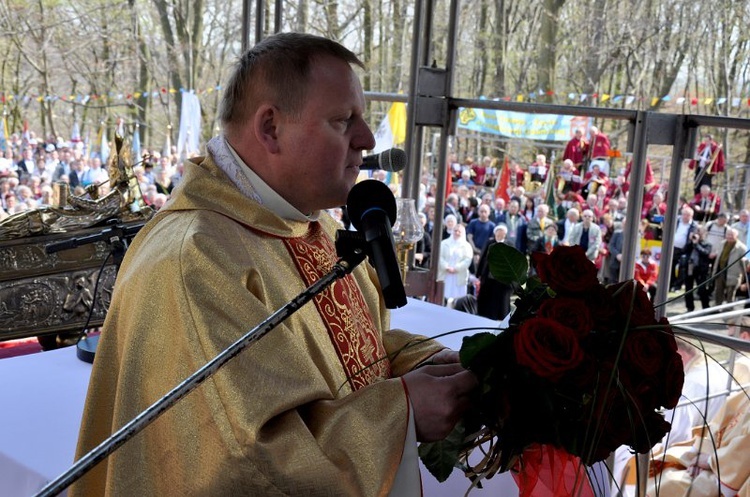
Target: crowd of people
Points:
(589, 208)
(30, 167)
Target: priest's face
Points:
(322, 146)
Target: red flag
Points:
(503, 182)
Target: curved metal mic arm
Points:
(351, 252)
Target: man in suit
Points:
(513, 219)
(615, 246)
(26, 165)
(729, 267)
(75, 178)
(588, 235)
(535, 227)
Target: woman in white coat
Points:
(456, 255)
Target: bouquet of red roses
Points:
(581, 370)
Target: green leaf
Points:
(473, 345)
(507, 264)
(441, 457)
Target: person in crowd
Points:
(681, 247)
(480, 169)
(517, 175)
(452, 207)
(741, 225)
(548, 241)
(465, 179)
(95, 174)
(576, 149)
(699, 271)
(729, 267)
(63, 165)
(470, 210)
(26, 164)
(498, 210)
(423, 247)
(449, 224)
(618, 188)
(536, 225)
(77, 170)
(648, 180)
(588, 235)
(599, 150)
(479, 231)
(456, 255)
(708, 161)
(706, 204)
(568, 178)
(528, 209)
(615, 246)
(493, 301)
(647, 272)
(42, 170)
(613, 209)
(565, 225)
(6, 161)
(148, 171)
(539, 168)
(163, 181)
(345, 419)
(716, 232)
(513, 219)
(594, 180)
(179, 169)
(12, 205)
(655, 214)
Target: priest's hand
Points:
(439, 394)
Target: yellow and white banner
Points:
(392, 130)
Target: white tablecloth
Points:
(42, 397)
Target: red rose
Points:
(667, 335)
(643, 352)
(547, 347)
(614, 426)
(633, 303)
(568, 312)
(601, 307)
(673, 378)
(566, 269)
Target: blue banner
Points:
(544, 127)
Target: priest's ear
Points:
(265, 125)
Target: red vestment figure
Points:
(709, 160)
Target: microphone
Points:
(391, 160)
(372, 210)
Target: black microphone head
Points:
(391, 160)
(368, 195)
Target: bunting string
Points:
(569, 98)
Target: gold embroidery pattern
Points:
(343, 310)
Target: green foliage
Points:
(440, 457)
(508, 265)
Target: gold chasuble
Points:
(314, 408)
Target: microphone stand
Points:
(350, 247)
